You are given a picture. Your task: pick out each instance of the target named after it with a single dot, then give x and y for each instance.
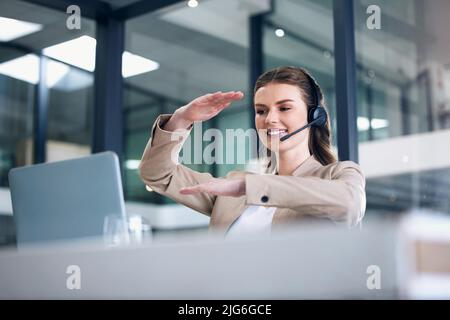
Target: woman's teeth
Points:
(276, 132)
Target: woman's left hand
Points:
(218, 187)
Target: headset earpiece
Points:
(317, 116)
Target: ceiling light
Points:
(192, 3)
(26, 68)
(11, 29)
(363, 123)
(133, 64)
(80, 52)
(279, 33)
(379, 123)
(55, 72)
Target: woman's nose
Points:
(272, 117)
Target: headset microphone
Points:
(312, 123)
(317, 115)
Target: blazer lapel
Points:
(306, 168)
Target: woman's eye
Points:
(285, 108)
(260, 111)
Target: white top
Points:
(254, 220)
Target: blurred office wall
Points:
(404, 104)
(69, 93)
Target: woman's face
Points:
(279, 110)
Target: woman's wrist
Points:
(177, 121)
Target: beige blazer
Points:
(335, 192)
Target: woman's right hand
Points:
(208, 106)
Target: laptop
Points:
(66, 200)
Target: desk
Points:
(308, 262)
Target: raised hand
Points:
(208, 106)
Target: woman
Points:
(309, 181)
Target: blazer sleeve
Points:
(341, 199)
(160, 170)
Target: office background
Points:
(68, 93)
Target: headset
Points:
(317, 115)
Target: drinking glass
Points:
(139, 230)
(115, 231)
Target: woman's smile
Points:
(276, 132)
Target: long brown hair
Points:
(319, 142)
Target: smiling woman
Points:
(308, 181)
(289, 97)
